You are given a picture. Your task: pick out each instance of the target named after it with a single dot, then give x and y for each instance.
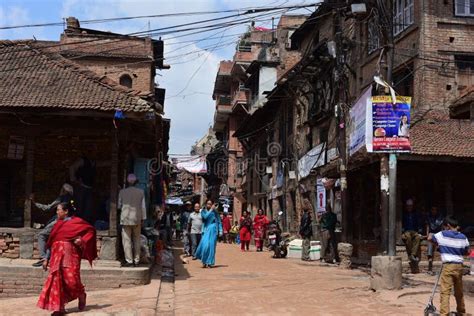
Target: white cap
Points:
(131, 178)
(68, 188)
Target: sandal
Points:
(82, 302)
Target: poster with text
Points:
(391, 124)
(320, 197)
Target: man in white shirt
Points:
(132, 203)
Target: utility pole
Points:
(392, 159)
(386, 270)
(341, 124)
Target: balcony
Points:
(239, 97)
(247, 57)
(223, 108)
(223, 111)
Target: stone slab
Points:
(109, 248)
(386, 273)
(26, 246)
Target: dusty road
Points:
(255, 284)
(252, 284)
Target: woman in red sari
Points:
(245, 231)
(71, 240)
(260, 223)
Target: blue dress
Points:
(212, 226)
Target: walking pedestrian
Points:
(195, 229)
(234, 232)
(131, 201)
(71, 240)
(166, 227)
(434, 224)
(411, 230)
(226, 226)
(245, 231)
(212, 228)
(184, 219)
(260, 224)
(328, 222)
(452, 245)
(65, 196)
(178, 228)
(306, 231)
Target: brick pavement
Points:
(133, 301)
(255, 284)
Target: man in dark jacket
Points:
(306, 231)
(166, 225)
(328, 236)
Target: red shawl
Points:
(70, 230)
(260, 221)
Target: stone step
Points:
(18, 278)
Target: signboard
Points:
(359, 127)
(390, 124)
(320, 197)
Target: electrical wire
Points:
(178, 14)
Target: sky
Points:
(194, 59)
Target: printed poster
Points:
(391, 124)
(358, 131)
(320, 197)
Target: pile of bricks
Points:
(9, 246)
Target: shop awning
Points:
(174, 201)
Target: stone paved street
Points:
(254, 284)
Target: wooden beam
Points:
(75, 113)
(113, 189)
(30, 155)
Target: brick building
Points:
(432, 63)
(90, 95)
(241, 88)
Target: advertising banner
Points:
(320, 197)
(358, 122)
(391, 124)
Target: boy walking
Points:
(453, 245)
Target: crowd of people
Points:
(69, 237)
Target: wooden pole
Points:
(113, 188)
(30, 158)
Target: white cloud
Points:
(15, 15)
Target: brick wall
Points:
(95, 48)
(426, 48)
(442, 36)
(10, 244)
(20, 280)
(141, 73)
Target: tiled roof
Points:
(31, 78)
(436, 134)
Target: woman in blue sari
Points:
(212, 227)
